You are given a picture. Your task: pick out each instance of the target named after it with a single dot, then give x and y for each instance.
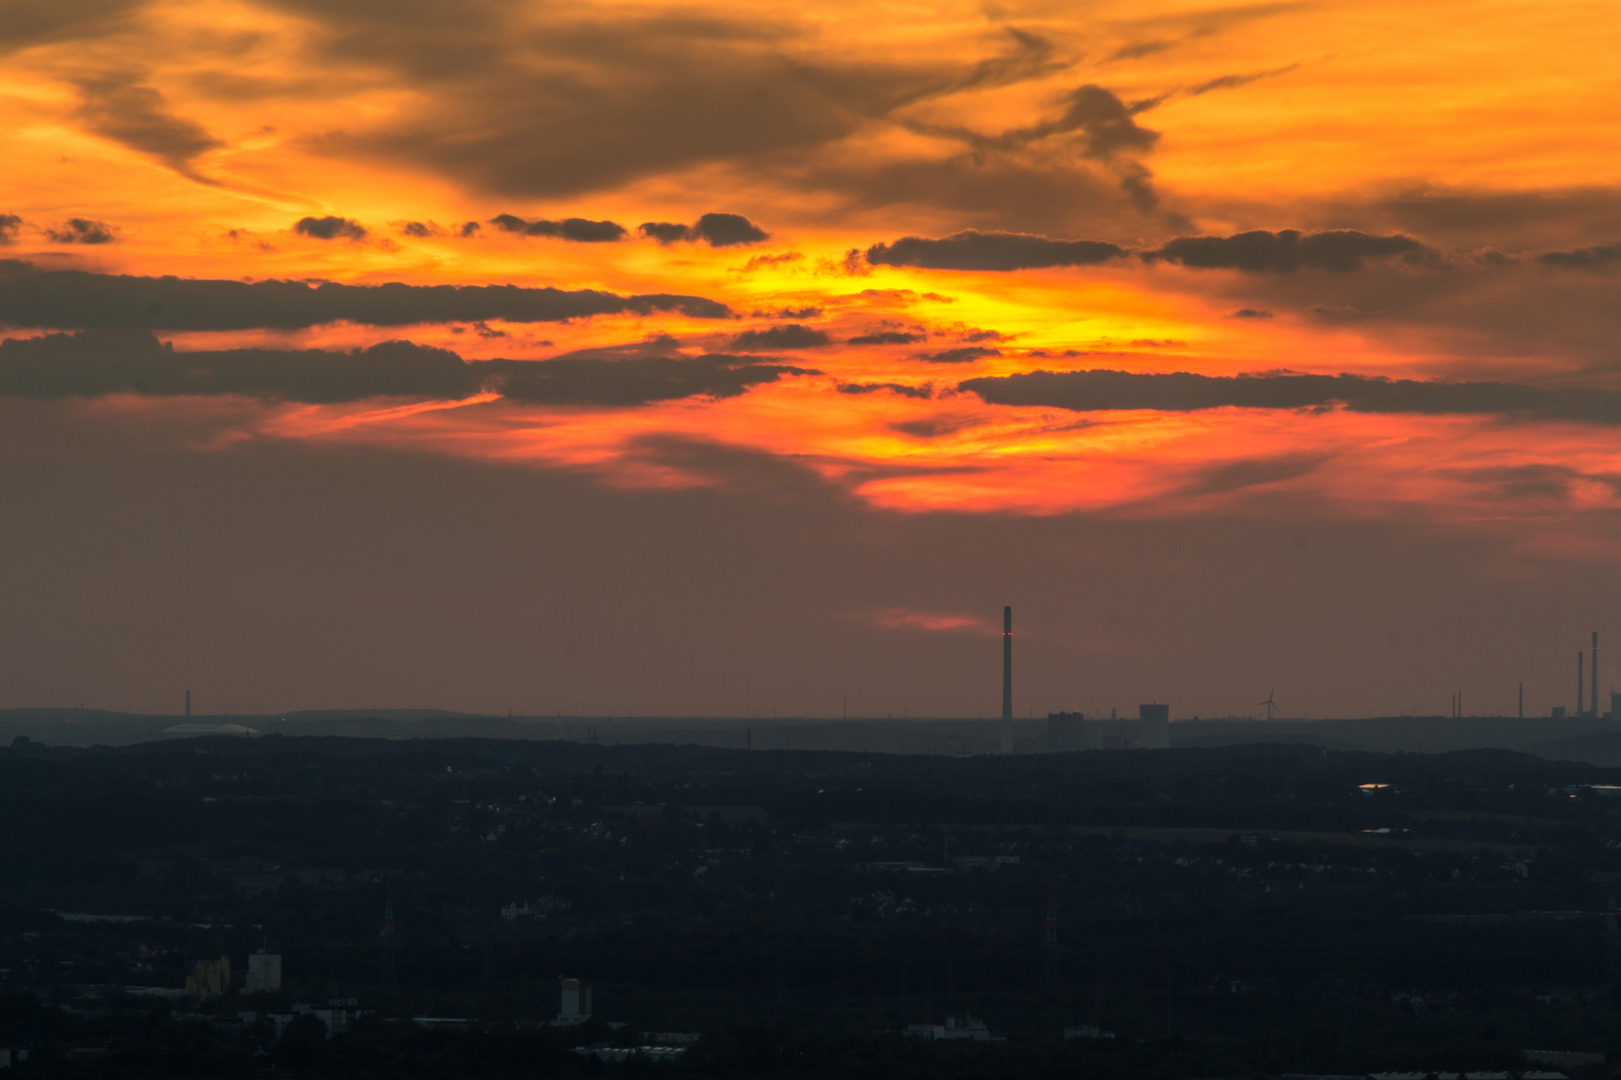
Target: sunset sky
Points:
(694, 359)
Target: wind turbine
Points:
(1271, 706)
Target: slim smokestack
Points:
(1522, 701)
(1593, 698)
(188, 702)
(1581, 685)
(1007, 663)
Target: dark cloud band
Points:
(716, 230)
(97, 363)
(893, 388)
(791, 336)
(1587, 258)
(79, 300)
(972, 250)
(1287, 251)
(887, 337)
(1103, 390)
(965, 355)
(585, 380)
(1259, 251)
(579, 230)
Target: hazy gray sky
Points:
(142, 558)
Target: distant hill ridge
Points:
(1573, 739)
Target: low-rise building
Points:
(972, 1029)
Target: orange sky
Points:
(187, 137)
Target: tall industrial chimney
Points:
(188, 702)
(1593, 698)
(1581, 685)
(1007, 663)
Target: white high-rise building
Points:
(264, 972)
(576, 1002)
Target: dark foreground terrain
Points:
(1230, 911)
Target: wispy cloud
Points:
(939, 622)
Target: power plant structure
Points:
(1587, 702)
(1073, 731)
(1007, 664)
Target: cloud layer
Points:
(579, 230)
(80, 300)
(96, 363)
(1286, 251)
(1258, 251)
(971, 250)
(1105, 390)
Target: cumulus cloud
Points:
(330, 228)
(83, 231)
(576, 229)
(791, 336)
(973, 250)
(716, 230)
(1587, 258)
(1287, 251)
(1250, 313)
(665, 232)
(1105, 390)
(119, 107)
(95, 363)
(888, 337)
(10, 226)
(965, 355)
(78, 300)
(728, 230)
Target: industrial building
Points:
(1073, 731)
